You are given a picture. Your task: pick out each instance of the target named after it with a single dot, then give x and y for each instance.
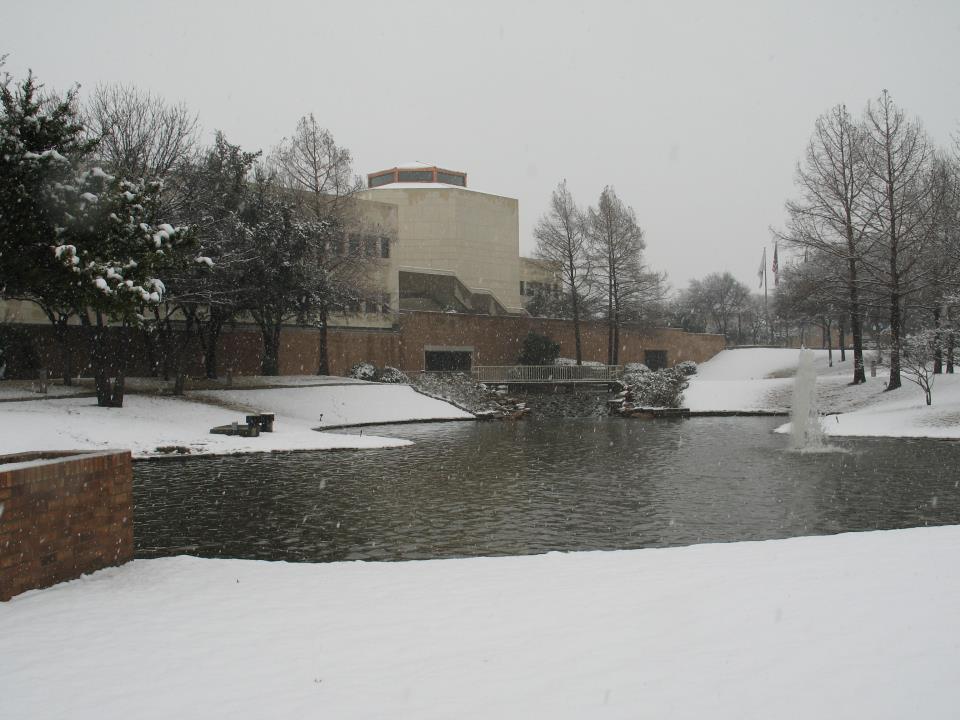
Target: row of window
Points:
(379, 305)
(529, 288)
(361, 246)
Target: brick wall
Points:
(495, 340)
(64, 514)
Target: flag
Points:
(763, 266)
(776, 267)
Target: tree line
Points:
(875, 234)
(114, 216)
(597, 254)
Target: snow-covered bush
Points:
(564, 361)
(538, 350)
(687, 367)
(363, 371)
(662, 388)
(393, 375)
(631, 368)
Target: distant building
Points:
(456, 249)
(539, 276)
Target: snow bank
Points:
(859, 625)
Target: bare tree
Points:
(718, 299)
(942, 252)
(562, 240)
(616, 247)
(833, 216)
(141, 136)
(897, 159)
(311, 161)
(319, 172)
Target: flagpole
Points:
(764, 279)
(766, 312)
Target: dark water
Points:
(505, 488)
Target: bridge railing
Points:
(505, 374)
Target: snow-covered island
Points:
(158, 426)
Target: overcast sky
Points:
(695, 112)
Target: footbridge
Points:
(547, 374)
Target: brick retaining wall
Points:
(64, 514)
(495, 340)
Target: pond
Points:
(511, 488)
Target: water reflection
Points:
(515, 488)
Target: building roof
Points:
(417, 172)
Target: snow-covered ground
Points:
(858, 625)
(331, 405)
(761, 380)
(902, 413)
(146, 424)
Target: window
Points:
(354, 246)
(384, 247)
(370, 246)
(655, 359)
(451, 178)
(378, 180)
(416, 176)
(523, 289)
(447, 360)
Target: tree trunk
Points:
(842, 339)
(616, 337)
(109, 392)
(271, 348)
(578, 346)
(828, 325)
(895, 311)
(62, 333)
(323, 367)
(181, 351)
(610, 322)
(209, 342)
(856, 328)
(99, 356)
(937, 344)
(895, 341)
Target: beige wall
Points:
(474, 235)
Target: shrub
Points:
(538, 350)
(687, 367)
(363, 371)
(393, 375)
(663, 388)
(631, 368)
(18, 354)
